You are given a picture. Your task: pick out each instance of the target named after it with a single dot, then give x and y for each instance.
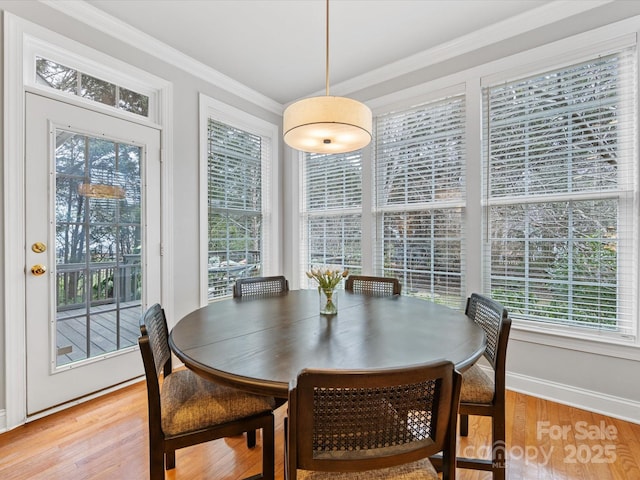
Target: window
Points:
(332, 211)
(75, 82)
(560, 185)
(420, 199)
(235, 170)
(99, 272)
(239, 197)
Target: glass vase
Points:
(328, 301)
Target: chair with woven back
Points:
(380, 424)
(262, 286)
(186, 409)
(373, 285)
(483, 394)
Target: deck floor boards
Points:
(72, 331)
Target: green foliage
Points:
(591, 294)
(579, 286)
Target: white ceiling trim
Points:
(494, 33)
(96, 18)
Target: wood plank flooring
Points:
(106, 438)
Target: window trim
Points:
(323, 213)
(224, 113)
(547, 57)
(97, 65)
(453, 95)
(470, 82)
(630, 332)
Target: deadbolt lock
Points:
(38, 270)
(39, 247)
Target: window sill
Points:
(607, 345)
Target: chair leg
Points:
(156, 462)
(286, 448)
(464, 425)
(170, 459)
(156, 471)
(268, 451)
(251, 439)
(499, 460)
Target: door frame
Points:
(21, 41)
(49, 382)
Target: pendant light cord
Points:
(327, 53)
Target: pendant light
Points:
(327, 124)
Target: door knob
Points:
(39, 247)
(38, 270)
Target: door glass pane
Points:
(98, 246)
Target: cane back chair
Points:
(262, 286)
(373, 285)
(483, 394)
(380, 424)
(186, 409)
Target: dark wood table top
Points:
(260, 344)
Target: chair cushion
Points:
(419, 470)
(477, 386)
(189, 402)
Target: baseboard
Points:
(597, 402)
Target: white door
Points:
(92, 229)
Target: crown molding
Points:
(96, 18)
(525, 22)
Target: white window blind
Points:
(420, 199)
(332, 212)
(236, 166)
(560, 182)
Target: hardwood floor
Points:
(106, 438)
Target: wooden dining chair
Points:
(383, 424)
(483, 394)
(185, 409)
(263, 286)
(373, 285)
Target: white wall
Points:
(600, 381)
(184, 182)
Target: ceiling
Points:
(277, 47)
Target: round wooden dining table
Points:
(259, 344)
